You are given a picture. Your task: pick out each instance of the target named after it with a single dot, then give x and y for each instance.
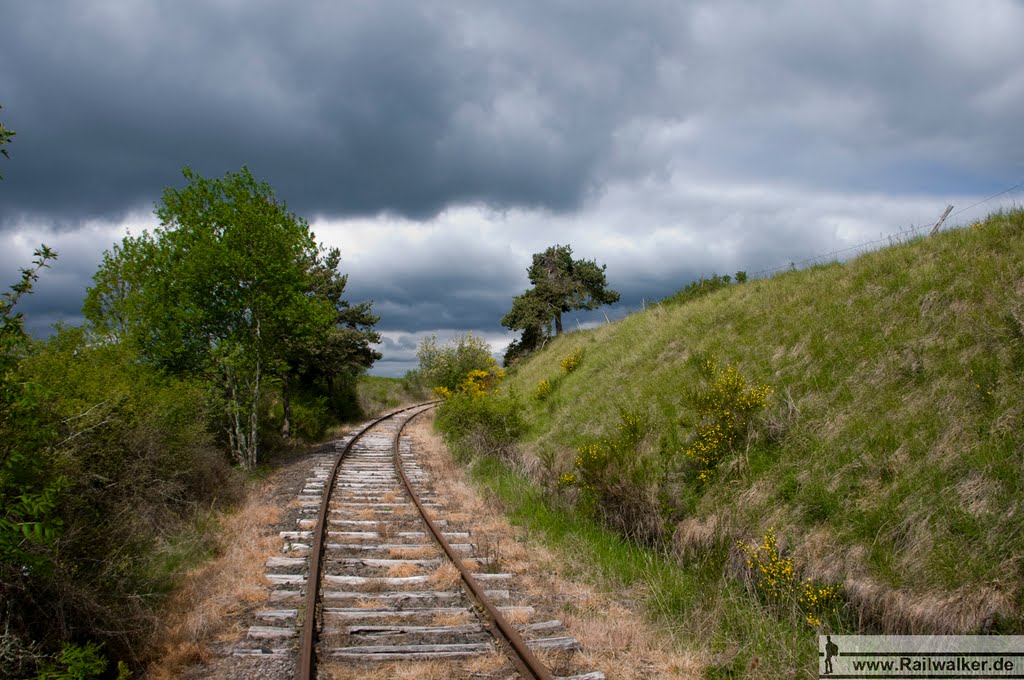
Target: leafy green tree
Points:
(560, 284)
(446, 364)
(232, 286)
(115, 304)
(330, 364)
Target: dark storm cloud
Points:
(452, 281)
(345, 107)
(406, 107)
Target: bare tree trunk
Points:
(251, 450)
(558, 323)
(242, 432)
(235, 434)
(286, 425)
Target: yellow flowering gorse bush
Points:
(479, 383)
(543, 390)
(600, 463)
(572, 360)
(724, 408)
(775, 579)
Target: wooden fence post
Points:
(942, 219)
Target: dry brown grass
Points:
(208, 604)
(517, 615)
(413, 552)
(487, 665)
(416, 670)
(406, 569)
(929, 613)
(623, 646)
(386, 530)
(376, 585)
(405, 511)
(451, 619)
(695, 536)
(445, 576)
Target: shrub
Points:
(311, 416)
(446, 365)
(543, 390)
(616, 482)
(473, 426)
(474, 421)
(775, 581)
(572, 360)
(725, 406)
(29, 488)
(78, 662)
(479, 382)
(701, 287)
(137, 463)
(377, 395)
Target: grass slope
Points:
(377, 394)
(896, 464)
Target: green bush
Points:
(377, 394)
(29, 488)
(136, 463)
(76, 662)
(311, 416)
(543, 390)
(473, 425)
(703, 286)
(446, 365)
(774, 579)
(618, 482)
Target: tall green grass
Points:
(376, 394)
(890, 460)
(741, 639)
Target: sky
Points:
(440, 144)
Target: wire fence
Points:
(901, 236)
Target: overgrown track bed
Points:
(387, 594)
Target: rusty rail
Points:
(306, 666)
(525, 661)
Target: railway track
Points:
(379, 576)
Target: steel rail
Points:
(526, 662)
(306, 666)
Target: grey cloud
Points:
(361, 108)
(346, 108)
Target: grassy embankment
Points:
(889, 461)
(376, 394)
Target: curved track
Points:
(378, 589)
